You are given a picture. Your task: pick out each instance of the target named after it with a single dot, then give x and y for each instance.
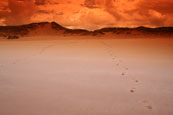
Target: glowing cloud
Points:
(88, 14)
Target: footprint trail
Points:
(124, 73)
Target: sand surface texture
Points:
(86, 77)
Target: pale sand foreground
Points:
(86, 77)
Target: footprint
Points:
(147, 105)
(123, 73)
(132, 90)
(136, 81)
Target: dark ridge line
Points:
(105, 28)
(23, 30)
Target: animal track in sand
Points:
(136, 81)
(45, 48)
(132, 90)
(148, 105)
(118, 62)
(123, 74)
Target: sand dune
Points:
(86, 76)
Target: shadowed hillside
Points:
(54, 29)
(138, 32)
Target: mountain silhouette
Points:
(54, 29)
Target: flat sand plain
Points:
(86, 76)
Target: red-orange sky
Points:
(88, 14)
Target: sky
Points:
(88, 14)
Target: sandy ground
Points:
(86, 77)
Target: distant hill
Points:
(138, 32)
(54, 29)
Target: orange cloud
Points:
(17, 12)
(88, 14)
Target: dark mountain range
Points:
(165, 31)
(54, 29)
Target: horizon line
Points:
(84, 28)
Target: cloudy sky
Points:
(88, 14)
